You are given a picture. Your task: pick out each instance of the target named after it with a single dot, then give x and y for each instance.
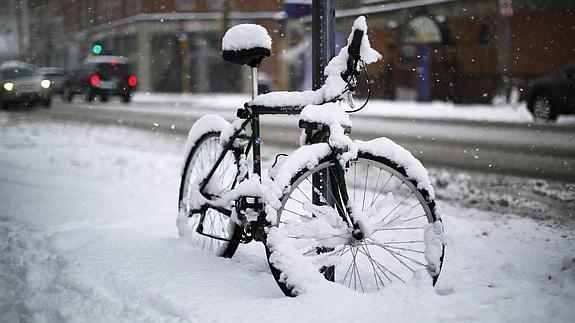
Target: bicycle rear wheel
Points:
(225, 233)
(395, 215)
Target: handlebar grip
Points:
(353, 55)
(353, 49)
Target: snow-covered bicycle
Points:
(360, 213)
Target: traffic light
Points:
(97, 49)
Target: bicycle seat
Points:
(246, 44)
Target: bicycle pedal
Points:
(249, 202)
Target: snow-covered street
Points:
(87, 220)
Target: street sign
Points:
(297, 8)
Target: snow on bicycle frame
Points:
(249, 44)
(240, 206)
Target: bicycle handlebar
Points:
(353, 51)
(348, 75)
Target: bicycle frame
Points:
(294, 212)
(252, 118)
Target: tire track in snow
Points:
(34, 286)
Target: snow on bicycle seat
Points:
(246, 44)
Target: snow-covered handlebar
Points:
(340, 72)
(354, 54)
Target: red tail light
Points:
(95, 80)
(132, 81)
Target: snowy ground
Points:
(87, 220)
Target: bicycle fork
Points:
(339, 197)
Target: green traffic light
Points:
(97, 49)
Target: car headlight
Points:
(8, 86)
(45, 83)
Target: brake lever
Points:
(349, 99)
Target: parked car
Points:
(56, 75)
(552, 95)
(101, 76)
(20, 83)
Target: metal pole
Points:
(254, 82)
(504, 52)
(323, 38)
(323, 49)
(226, 7)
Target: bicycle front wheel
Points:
(394, 216)
(222, 235)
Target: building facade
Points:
(465, 50)
(457, 50)
(174, 46)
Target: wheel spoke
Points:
(399, 214)
(390, 212)
(302, 192)
(298, 214)
(354, 177)
(376, 276)
(401, 242)
(384, 269)
(365, 188)
(395, 254)
(382, 189)
(375, 187)
(407, 249)
(415, 217)
(348, 268)
(397, 229)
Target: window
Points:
(484, 34)
(16, 72)
(216, 4)
(185, 4)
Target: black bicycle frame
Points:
(252, 117)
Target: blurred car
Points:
(20, 83)
(552, 95)
(101, 76)
(56, 75)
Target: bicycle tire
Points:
(391, 252)
(202, 157)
